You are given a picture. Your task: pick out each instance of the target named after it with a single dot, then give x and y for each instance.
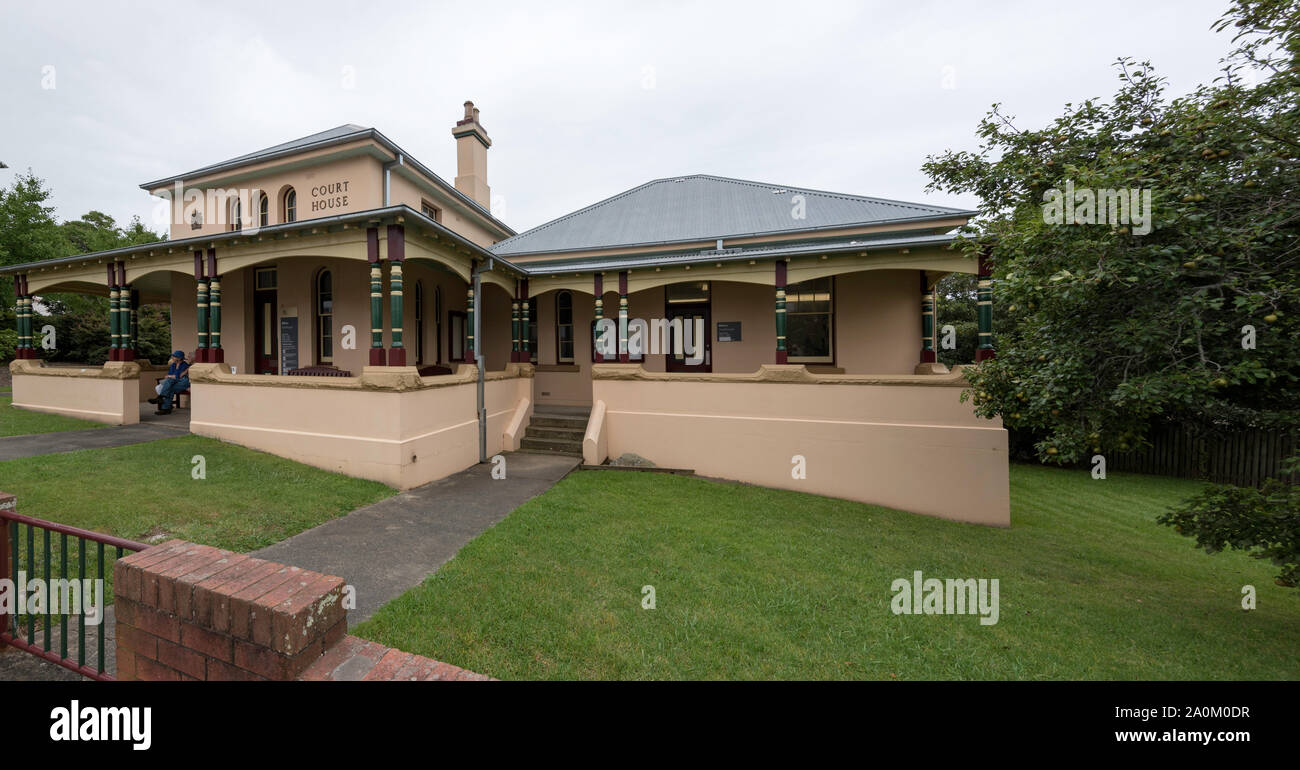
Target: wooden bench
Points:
(176, 397)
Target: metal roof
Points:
(705, 207)
(889, 241)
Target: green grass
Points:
(247, 501)
(22, 422)
(754, 583)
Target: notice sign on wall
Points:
(728, 331)
(288, 343)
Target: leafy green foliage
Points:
(29, 232)
(1264, 522)
(1103, 332)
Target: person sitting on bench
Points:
(177, 380)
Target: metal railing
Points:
(16, 559)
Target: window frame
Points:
(318, 315)
(830, 324)
(560, 358)
(288, 207)
(263, 210)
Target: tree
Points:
(29, 232)
(1106, 329)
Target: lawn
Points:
(21, 422)
(248, 499)
(754, 583)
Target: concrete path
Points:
(384, 549)
(19, 666)
(150, 428)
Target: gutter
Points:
(388, 177)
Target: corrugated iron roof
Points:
(705, 207)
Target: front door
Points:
(690, 314)
(266, 359)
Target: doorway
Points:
(266, 358)
(690, 302)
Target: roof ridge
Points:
(830, 194)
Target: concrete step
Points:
(565, 434)
(553, 446)
(571, 423)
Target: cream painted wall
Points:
(878, 321)
(362, 175)
(755, 307)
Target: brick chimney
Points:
(472, 144)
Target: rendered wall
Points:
(387, 424)
(905, 442)
(108, 394)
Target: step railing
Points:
(24, 558)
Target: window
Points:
(235, 223)
(431, 211)
(290, 205)
(265, 278)
(564, 328)
(263, 210)
(419, 322)
(687, 293)
(325, 317)
(809, 312)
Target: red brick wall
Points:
(193, 612)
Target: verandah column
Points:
(781, 357)
(135, 323)
(984, 297)
(623, 357)
(598, 286)
(215, 354)
(469, 317)
(23, 318)
(125, 312)
(514, 325)
(928, 355)
(376, 298)
(525, 352)
(201, 301)
(113, 330)
(396, 255)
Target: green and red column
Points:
(469, 319)
(396, 256)
(377, 357)
(598, 286)
(125, 345)
(928, 352)
(781, 357)
(623, 356)
(984, 308)
(215, 353)
(526, 353)
(514, 326)
(23, 318)
(201, 311)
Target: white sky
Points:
(581, 101)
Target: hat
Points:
(178, 354)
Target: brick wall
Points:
(193, 612)
(190, 612)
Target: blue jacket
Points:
(178, 369)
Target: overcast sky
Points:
(581, 101)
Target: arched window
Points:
(564, 328)
(290, 205)
(263, 210)
(235, 223)
(419, 322)
(324, 318)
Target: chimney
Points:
(472, 144)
